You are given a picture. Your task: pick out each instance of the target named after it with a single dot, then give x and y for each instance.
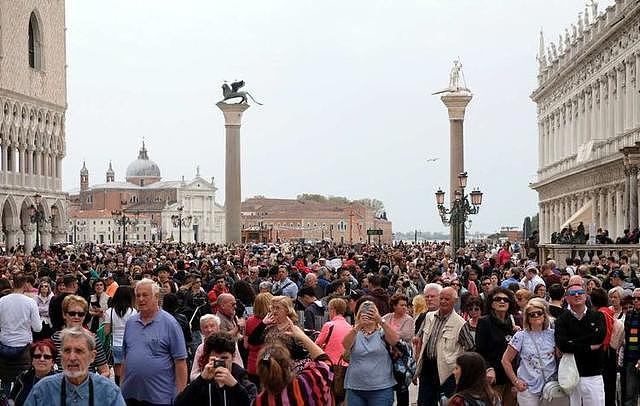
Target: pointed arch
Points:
(35, 41)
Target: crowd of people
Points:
(316, 324)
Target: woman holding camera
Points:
(369, 380)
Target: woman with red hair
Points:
(43, 356)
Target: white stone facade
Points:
(100, 227)
(588, 110)
(32, 113)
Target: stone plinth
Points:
(232, 185)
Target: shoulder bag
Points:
(551, 389)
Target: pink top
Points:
(333, 348)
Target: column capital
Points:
(456, 103)
(232, 112)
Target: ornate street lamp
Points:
(38, 216)
(179, 221)
(121, 219)
(460, 210)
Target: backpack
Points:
(279, 291)
(404, 364)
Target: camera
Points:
(219, 363)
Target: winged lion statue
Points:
(233, 92)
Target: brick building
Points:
(292, 219)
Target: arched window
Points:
(35, 43)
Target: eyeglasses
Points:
(42, 356)
(486, 283)
(536, 314)
(501, 299)
(635, 298)
(576, 292)
(474, 309)
(76, 314)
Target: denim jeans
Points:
(380, 397)
(632, 384)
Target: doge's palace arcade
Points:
(32, 132)
(588, 108)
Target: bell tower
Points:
(84, 177)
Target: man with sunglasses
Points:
(581, 331)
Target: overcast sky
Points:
(346, 87)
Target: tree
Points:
(339, 199)
(311, 197)
(373, 204)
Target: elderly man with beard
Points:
(76, 385)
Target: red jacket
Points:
(213, 297)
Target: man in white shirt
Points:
(18, 316)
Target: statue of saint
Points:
(454, 76)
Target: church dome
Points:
(143, 167)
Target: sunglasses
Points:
(486, 283)
(474, 309)
(576, 292)
(501, 299)
(536, 314)
(42, 356)
(76, 314)
(635, 298)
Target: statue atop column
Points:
(234, 92)
(454, 79)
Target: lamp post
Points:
(460, 210)
(122, 220)
(179, 221)
(38, 216)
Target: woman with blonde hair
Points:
(369, 380)
(74, 311)
(273, 329)
(261, 305)
(535, 344)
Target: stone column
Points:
(232, 193)
(29, 237)
(588, 112)
(11, 236)
(626, 203)
(629, 96)
(602, 208)
(611, 120)
(611, 220)
(620, 99)
(45, 236)
(547, 222)
(633, 198)
(541, 219)
(637, 92)
(620, 217)
(540, 144)
(456, 103)
(602, 125)
(595, 112)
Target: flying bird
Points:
(432, 159)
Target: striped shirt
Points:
(101, 356)
(312, 387)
